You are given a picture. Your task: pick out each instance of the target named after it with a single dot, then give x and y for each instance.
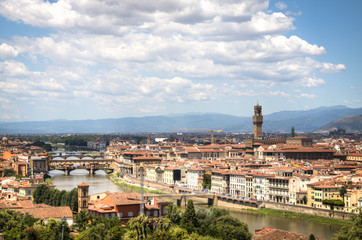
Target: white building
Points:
(260, 186)
(237, 184)
(193, 175)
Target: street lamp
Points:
(63, 221)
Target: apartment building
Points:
(193, 175)
(220, 181)
(237, 184)
(319, 191)
(279, 189)
(260, 186)
(249, 186)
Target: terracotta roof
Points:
(48, 212)
(83, 184)
(277, 234)
(146, 158)
(125, 198)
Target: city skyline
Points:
(94, 60)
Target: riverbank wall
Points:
(306, 210)
(271, 205)
(159, 186)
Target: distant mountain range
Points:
(307, 120)
(350, 124)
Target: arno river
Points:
(99, 183)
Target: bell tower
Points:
(258, 122)
(83, 189)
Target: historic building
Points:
(251, 144)
(258, 122)
(83, 190)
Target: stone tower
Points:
(83, 189)
(258, 122)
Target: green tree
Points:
(188, 219)
(343, 191)
(219, 224)
(53, 230)
(173, 213)
(352, 230)
(81, 220)
(206, 184)
(45, 146)
(228, 227)
(54, 197)
(97, 232)
(74, 200)
(39, 193)
(48, 180)
(64, 198)
(9, 173)
(14, 225)
(292, 132)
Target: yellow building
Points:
(168, 175)
(351, 200)
(316, 194)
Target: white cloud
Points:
(331, 68)
(13, 68)
(7, 51)
(118, 53)
(306, 95)
(311, 82)
(353, 101)
(279, 94)
(281, 5)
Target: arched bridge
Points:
(92, 164)
(182, 197)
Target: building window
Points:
(120, 214)
(155, 213)
(130, 214)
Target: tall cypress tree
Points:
(189, 220)
(292, 132)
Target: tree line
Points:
(203, 224)
(54, 197)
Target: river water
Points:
(99, 183)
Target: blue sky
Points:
(96, 59)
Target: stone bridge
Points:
(182, 197)
(69, 163)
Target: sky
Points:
(96, 59)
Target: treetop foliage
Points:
(54, 197)
(204, 224)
